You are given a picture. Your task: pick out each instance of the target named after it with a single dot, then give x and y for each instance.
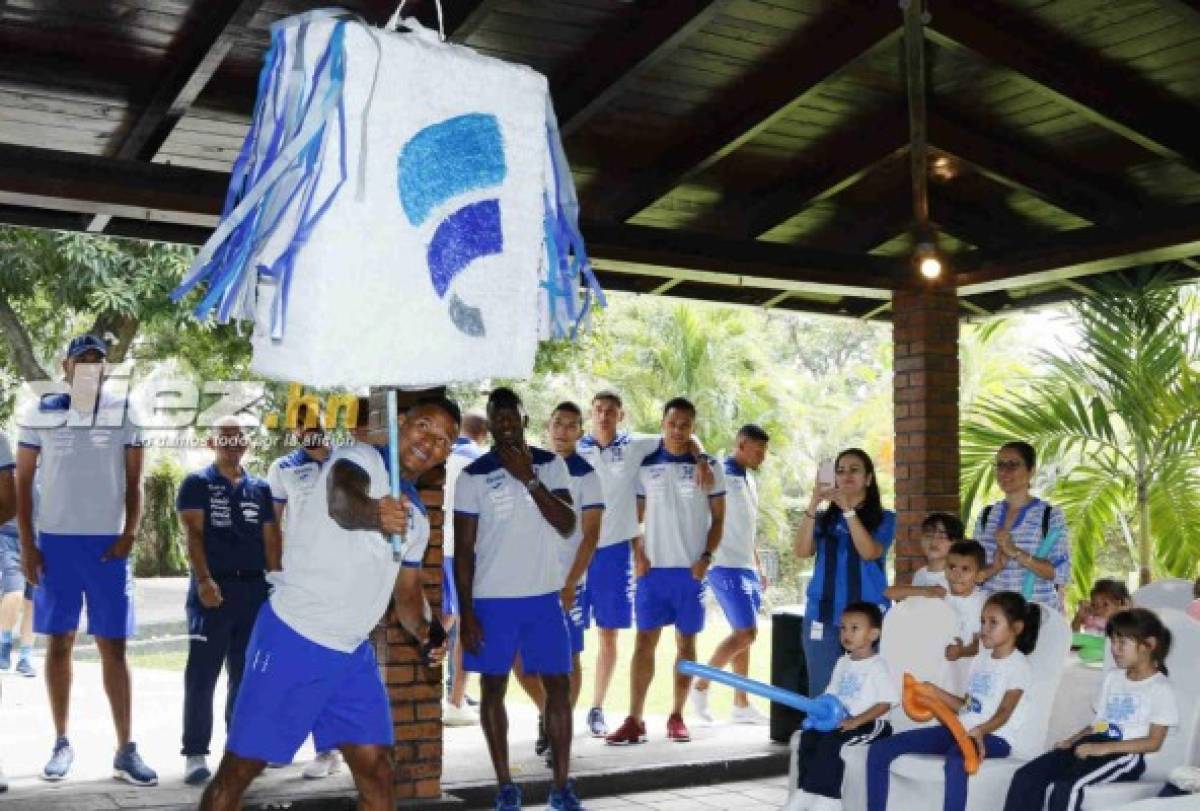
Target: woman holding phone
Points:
(850, 539)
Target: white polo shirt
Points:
(81, 469)
(586, 494)
(617, 465)
(292, 478)
(462, 454)
(336, 583)
(677, 511)
(517, 552)
(741, 519)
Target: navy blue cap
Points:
(84, 343)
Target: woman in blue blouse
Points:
(850, 539)
(1014, 529)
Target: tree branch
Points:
(123, 328)
(20, 346)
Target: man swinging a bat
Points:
(309, 666)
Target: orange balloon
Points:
(922, 703)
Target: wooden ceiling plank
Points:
(737, 115)
(1108, 94)
(614, 58)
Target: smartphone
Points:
(825, 473)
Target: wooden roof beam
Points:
(614, 58)
(837, 162)
(991, 228)
(744, 110)
(918, 125)
(1108, 94)
(1017, 168)
(1153, 236)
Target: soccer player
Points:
(683, 531)
(512, 516)
(292, 478)
(227, 515)
(587, 499)
(467, 448)
(736, 576)
(90, 474)
(310, 666)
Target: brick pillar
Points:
(926, 389)
(415, 691)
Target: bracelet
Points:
(849, 513)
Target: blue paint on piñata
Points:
(444, 160)
(468, 234)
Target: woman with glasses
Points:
(1015, 533)
(850, 539)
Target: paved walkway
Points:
(750, 795)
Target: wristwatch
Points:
(532, 484)
(706, 556)
(849, 513)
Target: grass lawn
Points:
(617, 705)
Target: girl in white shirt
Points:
(991, 711)
(1135, 709)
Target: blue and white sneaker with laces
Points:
(596, 724)
(129, 766)
(60, 762)
(565, 799)
(508, 798)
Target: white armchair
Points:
(1171, 592)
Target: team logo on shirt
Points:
(849, 686)
(495, 480)
(250, 512)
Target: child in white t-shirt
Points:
(938, 532)
(963, 564)
(862, 683)
(991, 711)
(1135, 709)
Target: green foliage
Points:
(1118, 415)
(160, 550)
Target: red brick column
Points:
(925, 393)
(415, 691)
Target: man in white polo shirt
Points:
(90, 456)
(683, 527)
(310, 668)
(736, 577)
(512, 516)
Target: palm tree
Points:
(1119, 415)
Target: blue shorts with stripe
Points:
(535, 627)
(75, 570)
(739, 593)
(670, 596)
(292, 687)
(609, 593)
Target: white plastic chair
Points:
(1188, 803)
(1171, 592)
(915, 635)
(918, 778)
(1182, 746)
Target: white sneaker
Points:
(195, 770)
(748, 715)
(456, 716)
(699, 701)
(799, 801)
(323, 765)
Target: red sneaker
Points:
(630, 732)
(677, 730)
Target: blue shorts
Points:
(670, 596)
(449, 590)
(577, 619)
(609, 595)
(12, 578)
(739, 591)
(535, 627)
(292, 687)
(73, 572)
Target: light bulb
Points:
(931, 267)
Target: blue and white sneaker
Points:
(508, 798)
(129, 766)
(60, 762)
(25, 668)
(565, 800)
(596, 723)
